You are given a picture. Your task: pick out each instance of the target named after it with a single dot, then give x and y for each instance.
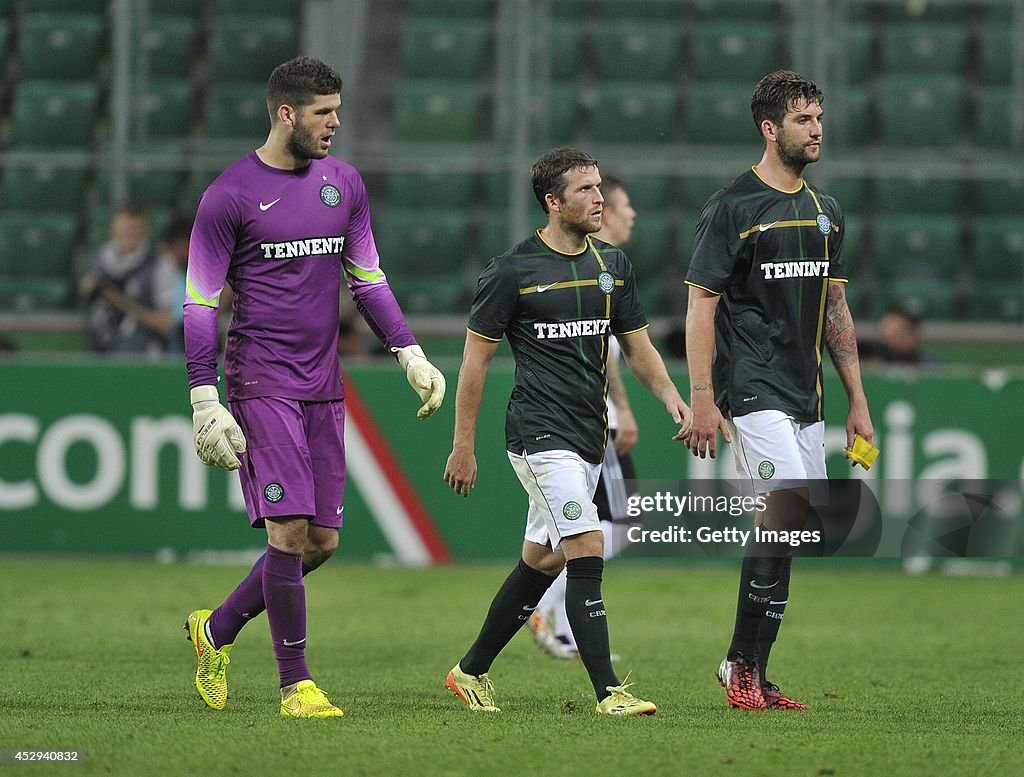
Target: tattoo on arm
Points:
(840, 335)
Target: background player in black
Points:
(766, 287)
(557, 299)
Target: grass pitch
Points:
(905, 676)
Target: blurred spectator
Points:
(899, 340)
(174, 252)
(128, 289)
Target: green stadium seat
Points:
(433, 109)
(999, 196)
(646, 192)
(924, 47)
(632, 49)
(922, 245)
(437, 188)
(647, 9)
(6, 8)
(61, 6)
(5, 37)
(42, 108)
(192, 8)
(997, 301)
(859, 51)
(930, 298)
(921, 110)
(719, 113)
(994, 119)
(650, 248)
(725, 50)
(433, 294)
(848, 117)
(562, 116)
(99, 224)
(196, 181)
(995, 53)
(929, 12)
(37, 243)
(999, 249)
(575, 11)
(918, 193)
(152, 180)
(166, 108)
(170, 45)
(30, 294)
(696, 190)
(853, 246)
(461, 9)
(734, 10)
(237, 110)
(57, 46)
(250, 46)
(566, 38)
(851, 193)
(634, 112)
(289, 8)
(445, 48)
(494, 235)
(421, 241)
(44, 186)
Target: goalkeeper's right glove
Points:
(217, 435)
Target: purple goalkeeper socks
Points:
(285, 597)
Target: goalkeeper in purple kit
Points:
(283, 226)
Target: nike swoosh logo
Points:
(286, 643)
(529, 609)
(339, 511)
(545, 288)
(762, 227)
(589, 603)
(763, 587)
(269, 205)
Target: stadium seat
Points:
(731, 10)
(851, 193)
(494, 235)
(858, 50)
(36, 243)
(927, 12)
(848, 119)
(924, 47)
(152, 180)
(99, 224)
(994, 119)
(999, 249)
(42, 108)
(719, 113)
(437, 188)
(439, 294)
(918, 193)
(854, 256)
(58, 46)
(562, 117)
(930, 298)
(237, 110)
(648, 9)
(61, 6)
(34, 293)
(166, 109)
(421, 241)
(5, 36)
(566, 41)
(725, 50)
(650, 248)
(632, 49)
(445, 48)
(995, 44)
(460, 9)
(922, 245)
(191, 8)
(997, 301)
(921, 110)
(170, 45)
(634, 112)
(432, 109)
(250, 46)
(287, 8)
(696, 190)
(646, 192)
(196, 181)
(44, 186)
(999, 196)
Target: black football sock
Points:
(760, 576)
(773, 617)
(510, 609)
(584, 606)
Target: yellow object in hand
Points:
(862, 452)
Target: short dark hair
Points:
(178, 228)
(298, 82)
(547, 175)
(133, 209)
(776, 92)
(612, 183)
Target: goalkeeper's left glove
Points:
(425, 379)
(218, 436)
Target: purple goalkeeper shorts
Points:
(294, 463)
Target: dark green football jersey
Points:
(770, 254)
(557, 311)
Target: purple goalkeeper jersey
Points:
(283, 239)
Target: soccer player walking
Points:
(766, 292)
(283, 225)
(557, 296)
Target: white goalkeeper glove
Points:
(218, 436)
(425, 379)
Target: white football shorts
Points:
(561, 488)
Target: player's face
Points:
(799, 137)
(618, 217)
(581, 204)
(314, 128)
